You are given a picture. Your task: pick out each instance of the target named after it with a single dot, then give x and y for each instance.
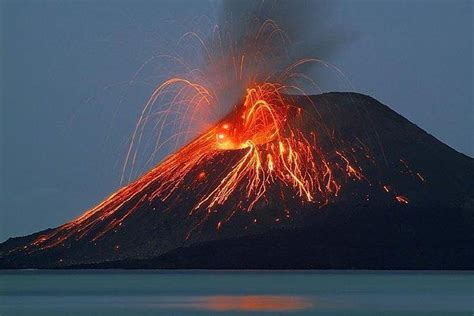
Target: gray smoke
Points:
(308, 24)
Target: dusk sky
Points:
(68, 108)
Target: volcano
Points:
(351, 185)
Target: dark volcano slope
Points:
(404, 238)
(365, 227)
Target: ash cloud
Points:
(308, 24)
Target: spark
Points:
(420, 177)
(402, 199)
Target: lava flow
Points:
(262, 150)
(272, 152)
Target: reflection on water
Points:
(249, 303)
(236, 293)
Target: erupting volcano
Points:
(281, 180)
(273, 158)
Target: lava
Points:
(272, 152)
(273, 155)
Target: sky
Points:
(68, 107)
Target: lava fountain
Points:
(273, 155)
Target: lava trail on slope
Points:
(276, 162)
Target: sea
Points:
(175, 292)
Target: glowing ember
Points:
(402, 199)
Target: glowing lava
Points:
(260, 148)
(272, 152)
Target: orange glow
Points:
(402, 199)
(254, 303)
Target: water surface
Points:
(235, 293)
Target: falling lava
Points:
(273, 154)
